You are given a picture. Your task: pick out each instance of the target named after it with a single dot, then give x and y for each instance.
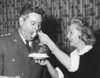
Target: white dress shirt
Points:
(23, 39)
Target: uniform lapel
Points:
(19, 44)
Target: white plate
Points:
(9, 77)
(38, 55)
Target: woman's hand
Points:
(45, 39)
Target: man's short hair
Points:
(29, 8)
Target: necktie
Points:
(27, 46)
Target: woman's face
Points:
(73, 35)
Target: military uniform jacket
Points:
(14, 60)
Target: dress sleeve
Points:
(74, 62)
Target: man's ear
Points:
(21, 21)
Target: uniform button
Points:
(13, 60)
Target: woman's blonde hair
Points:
(87, 34)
